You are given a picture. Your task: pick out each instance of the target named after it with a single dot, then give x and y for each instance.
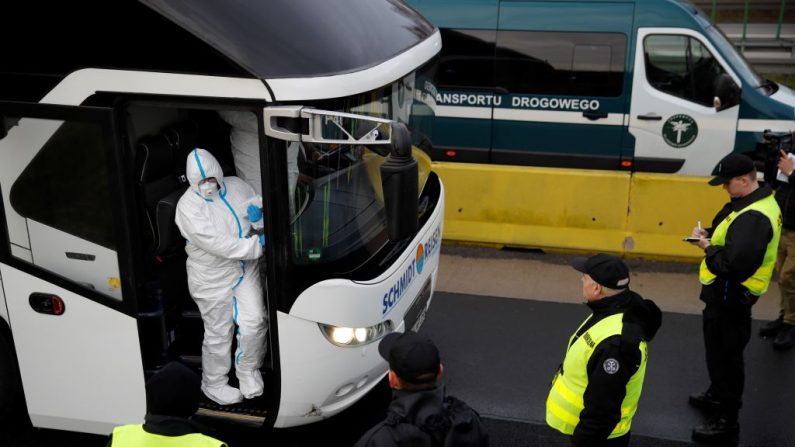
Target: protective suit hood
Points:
(200, 165)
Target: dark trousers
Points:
(727, 330)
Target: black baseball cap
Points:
(608, 271)
(732, 165)
(412, 357)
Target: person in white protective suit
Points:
(244, 140)
(216, 216)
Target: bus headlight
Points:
(355, 336)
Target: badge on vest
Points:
(610, 366)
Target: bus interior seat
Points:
(156, 178)
(184, 137)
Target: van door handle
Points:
(593, 116)
(650, 117)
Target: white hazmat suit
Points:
(223, 277)
(244, 140)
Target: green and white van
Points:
(608, 114)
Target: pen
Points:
(699, 226)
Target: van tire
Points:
(10, 384)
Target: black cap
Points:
(412, 357)
(608, 271)
(173, 391)
(732, 165)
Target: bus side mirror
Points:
(399, 179)
(727, 93)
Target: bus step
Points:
(240, 414)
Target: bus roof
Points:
(268, 40)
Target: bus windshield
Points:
(337, 207)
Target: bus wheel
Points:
(10, 385)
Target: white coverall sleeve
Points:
(201, 231)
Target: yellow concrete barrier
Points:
(573, 209)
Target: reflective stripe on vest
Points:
(565, 400)
(136, 436)
(760, 280)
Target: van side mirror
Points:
(727, 92)
(399, 179)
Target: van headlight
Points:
(355, 336)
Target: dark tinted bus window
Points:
(575, 64)
(66, 185)
(681, 66)
(467, 59)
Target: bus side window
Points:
(681, 66)
(64, 197)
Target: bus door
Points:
(65, 265)
(674, 121)
(560, 74)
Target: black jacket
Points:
(414, 418)
(742, 253)
(605, 391)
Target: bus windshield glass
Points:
(337, 206)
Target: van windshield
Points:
(734, 58)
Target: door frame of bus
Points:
(121, 210)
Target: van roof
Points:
(486, 14)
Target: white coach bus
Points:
(100, 102)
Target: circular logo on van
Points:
(680, 131)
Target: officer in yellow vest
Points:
(172, 397)
(739, 257)
(596, 390)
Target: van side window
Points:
(555, 63)
(681, 66)
(467, 59)
(66, 187)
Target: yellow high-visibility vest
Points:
(135, 436)
(760, 280)
(565, 400)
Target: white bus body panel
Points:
(320, 379)
(716, 129)
(79, 85)
(81, 371)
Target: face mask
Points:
(208, 189)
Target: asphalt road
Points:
(499, 356)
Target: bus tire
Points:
(10, 383)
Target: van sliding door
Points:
(560, 75)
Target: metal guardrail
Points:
(745, 5)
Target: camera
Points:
(769, 151)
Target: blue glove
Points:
(254, 213)
(262, 240)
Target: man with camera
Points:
(782, 329)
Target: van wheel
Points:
(10, 385)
